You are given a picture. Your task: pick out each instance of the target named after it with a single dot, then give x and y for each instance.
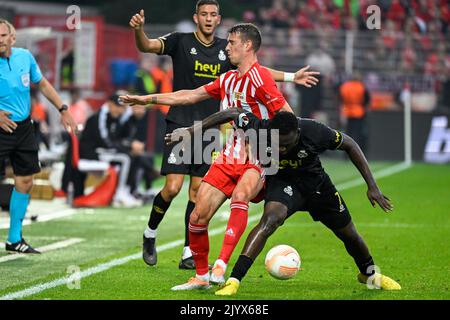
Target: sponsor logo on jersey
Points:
(193, 51)
(288, 191)
(222, 55)
(288, 163)
(207, 70)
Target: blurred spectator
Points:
(278, 15)
(102, 139)
(408, 57)
(321, 61)
(142, 163)
(355, 100)
(79, 108)
(39, 117)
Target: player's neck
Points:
(246, 64)
(206, 39)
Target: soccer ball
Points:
(282, 262)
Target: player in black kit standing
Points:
(198, 58)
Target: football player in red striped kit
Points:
(233, 174)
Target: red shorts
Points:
(225, 177)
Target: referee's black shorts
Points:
(21, 148)
(324, 204)
(172, 159)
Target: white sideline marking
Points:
(50, 247)
(116, 262)
(42, 218)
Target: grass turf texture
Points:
(410, 245)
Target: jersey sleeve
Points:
(35, 71)
(213, 88)
(169, 43)
(268, 93)
(325, 137)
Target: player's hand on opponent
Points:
(137, 21)
(183, 134)
(375, 196)
(133, 100)
(306, 78)
(6, 123)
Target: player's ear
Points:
(219, 20)
(195, 18)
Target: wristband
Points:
(289, 77)
(64, 107)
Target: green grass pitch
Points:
(410, 245)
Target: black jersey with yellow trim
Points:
(195, 64)
(302, 163)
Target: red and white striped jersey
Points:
(255, 92)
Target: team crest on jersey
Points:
(193, 51)
(302, 154)
(222, 55)
(288, 191)
(26, 79)
(238, 96)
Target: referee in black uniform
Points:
(18, 69)
(198, 58)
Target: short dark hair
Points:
(248, 31)
(286, 122)
(205, 2)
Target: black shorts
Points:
(21, 148)
(324, 204)
(172, 162)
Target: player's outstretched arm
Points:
(302, 77)
(178, 98)
(359, 160)
(211, 121)
(143, 43)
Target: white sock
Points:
(234, 279)
(149, 233)
(186, 253)
(221, 263)
(204, 277)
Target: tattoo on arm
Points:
(154, 100)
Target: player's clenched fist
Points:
(137, 21)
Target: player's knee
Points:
(171, 190)
(241, 195)
(24, 185)
(199, 215)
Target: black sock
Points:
(364, 267)
(187, 216)
(241, 267)
(159, 208)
